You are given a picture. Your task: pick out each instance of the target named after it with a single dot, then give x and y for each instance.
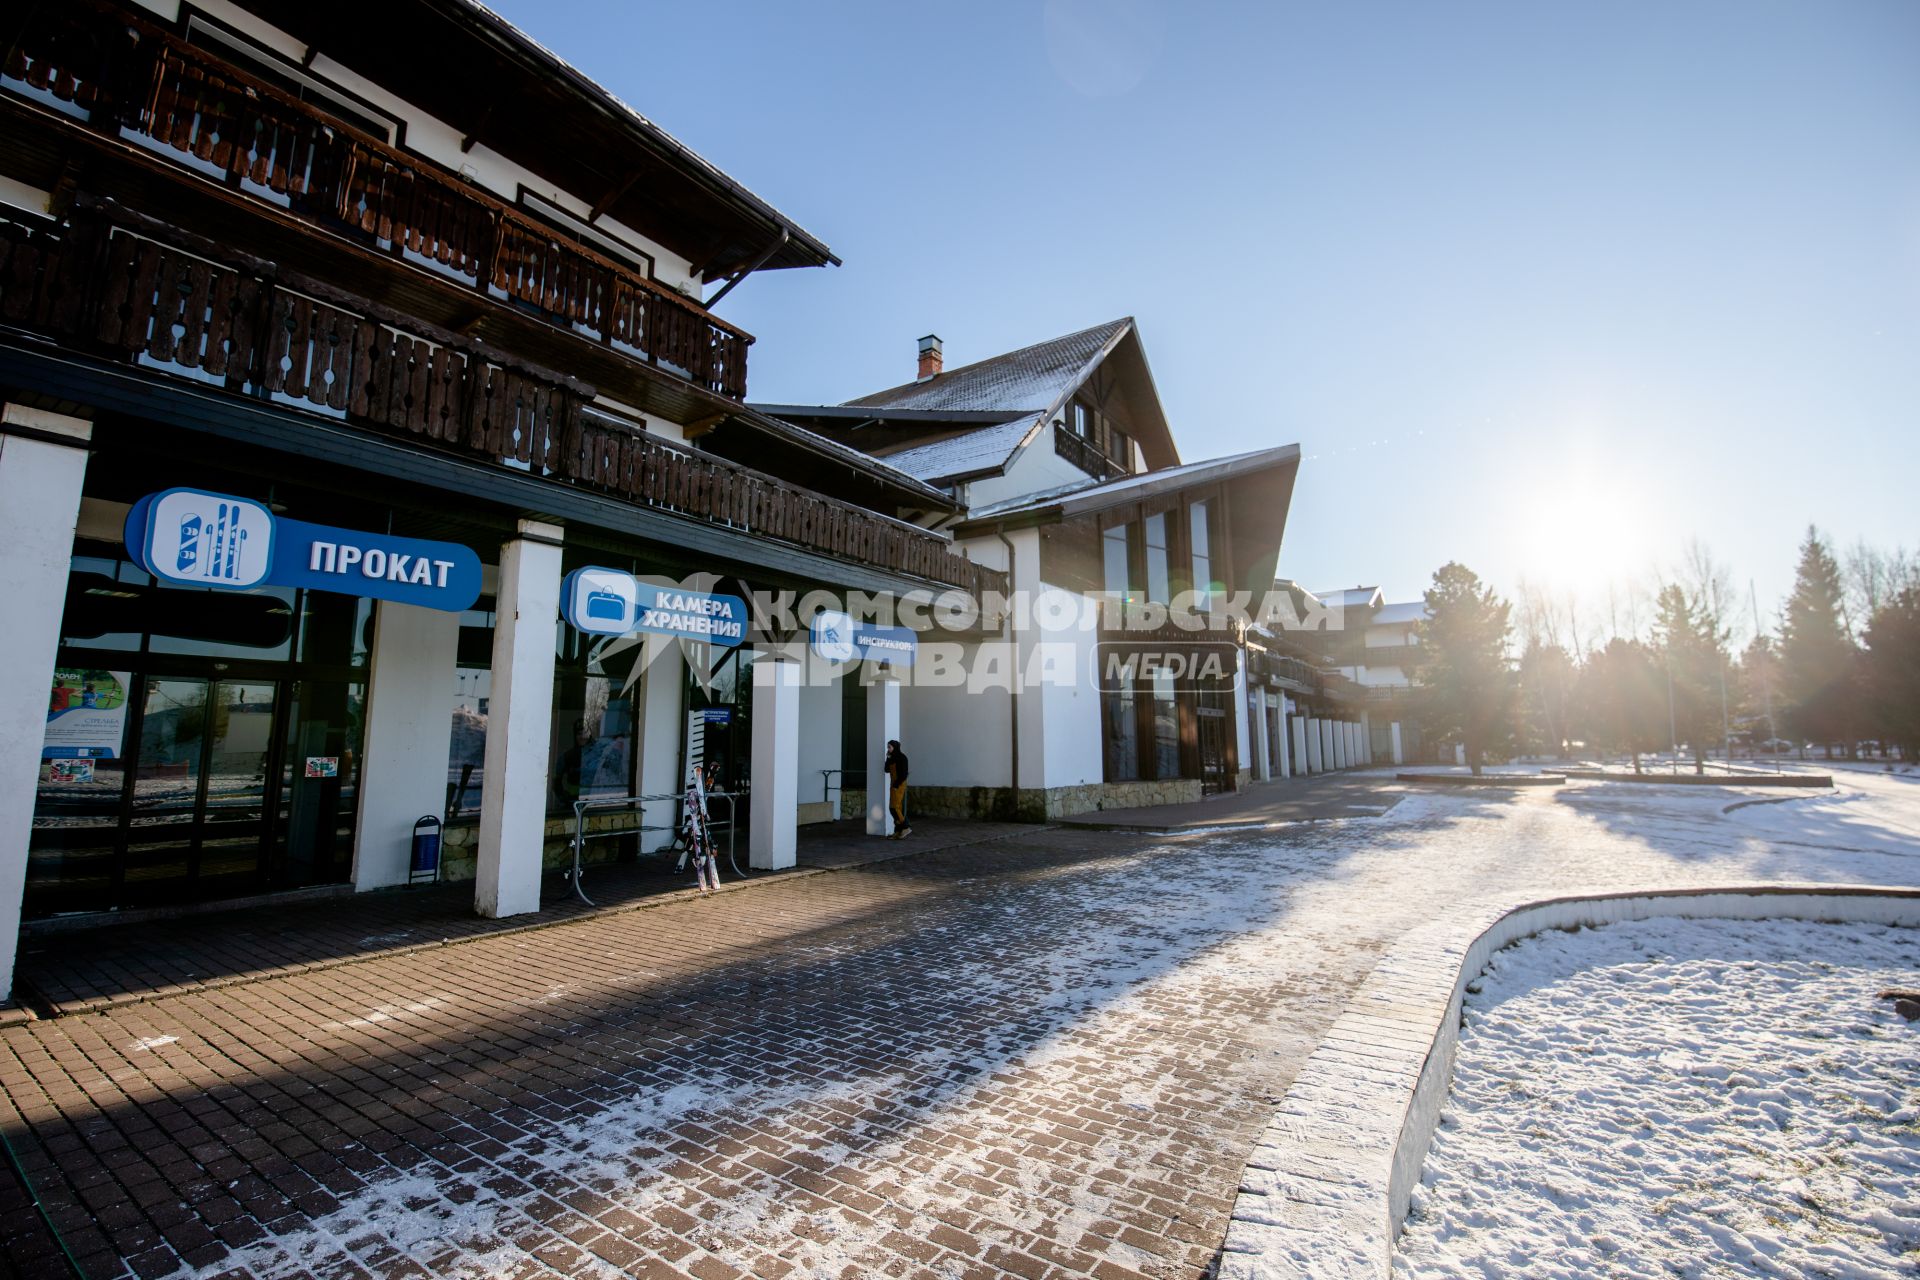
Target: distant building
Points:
(1309, 717)
(1065, 475)
(1377, 646)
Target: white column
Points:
(1300, 754)
(1286, 739)
(772, 832)
(513, 807)
(1261, 769)
(663, 690)
(1342, 742)
(1316, 744)
(409, 732)
(1366, 737)
(1243, 734)
(1327, 763)
(43, 464)
(883, 726)
(1399, 755)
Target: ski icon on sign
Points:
(220, 541)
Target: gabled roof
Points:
(1352, 598)
(1293, 588)
(1076, 500)
(1035, 378)
(958, 457)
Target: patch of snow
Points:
(1680, 1098)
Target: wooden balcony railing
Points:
(1389, 655)
(127, 74)
(114, 283)
(1082, 454)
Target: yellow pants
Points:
(897, 802)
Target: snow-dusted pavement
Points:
(1044, 1057)
(1672, 1097)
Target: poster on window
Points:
(87, 714)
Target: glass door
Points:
(319, 773)
(232, 817)
(1214, 723)
(168, 770)
(200, 789)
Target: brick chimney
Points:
(930, 358)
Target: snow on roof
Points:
(1407, 611)
(1351, 597)
(1033, 378)
(1095, 495)
(986, 449)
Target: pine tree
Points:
(1817, 655)
(1893, 670)
(1467, 685)
(1691, 647)
(1623, 700)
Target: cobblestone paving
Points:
(1042, 1056)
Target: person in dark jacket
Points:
(896, 768)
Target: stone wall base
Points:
(459, 844)
(998, 804)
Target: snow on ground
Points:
(1680, 1098)
(1099, 984)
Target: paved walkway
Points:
(66, 971)
(1045, 1055)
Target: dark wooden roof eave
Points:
(680, 198)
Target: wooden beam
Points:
(700, 426)
(472, 136)
(612, 197)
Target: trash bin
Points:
(426, 850)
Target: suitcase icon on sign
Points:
(608, 606)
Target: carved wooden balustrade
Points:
(127, 74)
(115, 283)
(1082, 454)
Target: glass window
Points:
(1166, 727)
(1113, 552)
(256, 623)
(1082, 421)
(1202, 557)
(103, 604)
(466, 758)
(724, 707)
(1158, 588)
(335, 628)
(1121, 710)
(591, 750)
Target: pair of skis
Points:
(221, 538)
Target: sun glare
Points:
(1580, 532)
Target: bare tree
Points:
(1870, 578)
(1708, 583)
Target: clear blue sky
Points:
(1545, 288)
